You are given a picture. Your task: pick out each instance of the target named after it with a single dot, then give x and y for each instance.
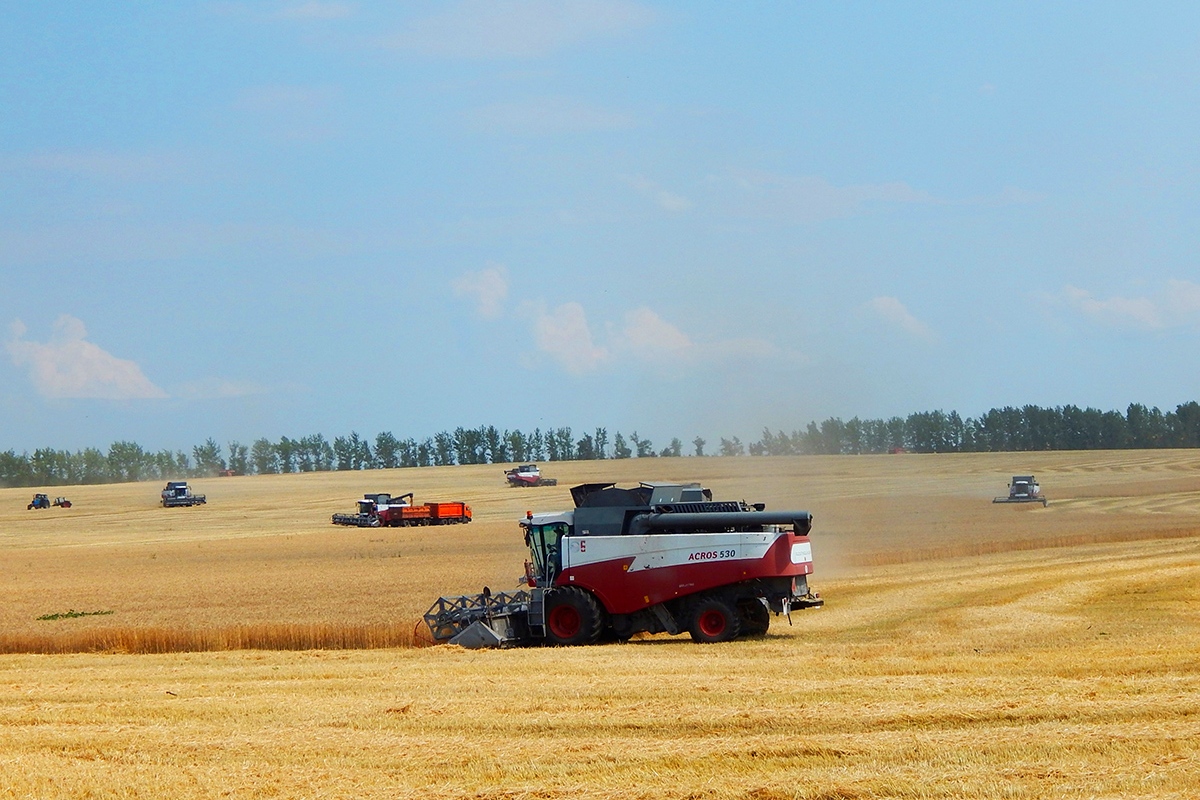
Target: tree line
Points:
(1028, 428)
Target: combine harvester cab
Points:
(1023, 489)
(658, 558)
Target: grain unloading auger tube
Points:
(654, 558)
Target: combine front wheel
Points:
(713, 619)
(572, 617)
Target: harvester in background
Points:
(383, 510)
(368, 509)
(655, 558)
(1023, 489)
(178, 493)
(528, 475)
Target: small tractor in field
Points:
(655, 558)
(383, 510)
(1023, 489)
(43, 501)
(528, 475)
(178, 493)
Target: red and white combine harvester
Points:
(528, 475)
(656, 558)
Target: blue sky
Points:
(237, 219)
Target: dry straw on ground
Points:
(967, 650)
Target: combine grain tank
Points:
(655, 558)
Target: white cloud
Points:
(1176, 305)
(518, 28)
(812, 199)
(1183, 299)
(488, 287)
(548, 116)
(668, 201)
(894, 313)
(564, 335)
(642, 338)
(1139, 312)
(217, 389)
(69, 366)
(650, 337)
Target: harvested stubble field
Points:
(966, 650)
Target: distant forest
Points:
(1029, 428)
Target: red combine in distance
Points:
(528, 475)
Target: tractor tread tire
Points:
(756, 619)
(713, 618)
(573, 617)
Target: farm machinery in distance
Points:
(528, 475)
(382, 510)
(178, 494)
(655, 558)
(1023, 489)
(43, 501)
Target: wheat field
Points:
(966, 649)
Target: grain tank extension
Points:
(657, 558)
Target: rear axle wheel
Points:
(713, 619)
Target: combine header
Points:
(656, 558)
(1023, 489)
(383, 510)
(528, 475)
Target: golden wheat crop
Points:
(966, 649)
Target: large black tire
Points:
(756, 619)
(713, 619)
(573, 616)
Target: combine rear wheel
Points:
(756, 619)
(713, 619)
(573, 616)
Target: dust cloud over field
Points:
(966, 648)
